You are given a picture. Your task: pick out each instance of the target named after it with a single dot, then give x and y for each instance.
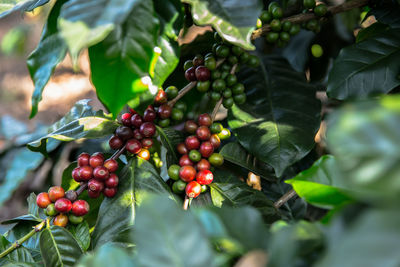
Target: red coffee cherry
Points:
(75, 174)
(85, 173)
(61, 220)
(126, 119)
(56, 192)
(80, 208)
(149, 115)
(144, 154)
(109, 192)
(93, 194)
(150, 107)
(147, 142)
(111, 165)
(181, 148)
(190, 127)
(204, 120)
(185, 161)
(115, 142)
(96, 160)
(187, 173)
(83, 159)
(203, 164)
(132, 111)
(147, 129)
(137, 135)
(202, 73)
(204, 177)
(215, 141)
(124, 132)
(95, 185)
(164, 111)
(192, 142)
(134, 146)
(206, 149)
(161, 97)
(190, 74)
(193, 189)
(43, 200)
(63, 205)
(112, 181)
(136, 120)
(203, 133)
(101, 173)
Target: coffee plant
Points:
(281, 147)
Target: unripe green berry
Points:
(236, 50)
(295, 29)
(228, 102)
(244, 57)
(204, 188)
(216, 127)
(226, 66)
(181, 105)
(216, 74)
(164, 123)
(316, 50)
(178, 186)
(277, 13)
(320, 10)
(219, 85)
(75, 219)
(171, 91)
(312, 25)
(51, 210)
(240, 98)
(272, 5)
(227, 93)
(194, 155)
(177, 114)
(173, 172)
(265, 16)
(276, 25)
(238, 89)
(202, 86)
(286, 25)
(188, 64)
(309, 3)
(272, 37)
(231, 79)
(253, 62)
(222, 51)
(216, 159)
(284, 36)
(233, 60)
(210, 63)
(224, 134)
(215, 96)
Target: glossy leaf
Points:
(120, 61)
(106, 256)
(233, 20)
(389, 15)
(80, 122)
(366, 68)
(50, 51)
(281, 116)
(322, 184)
(10, 6)
(58, 247)
(20, 255)
(21, 229)
(27, 217)
(170, 138)
(81, 234)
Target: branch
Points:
(81, 188)
(285, 198)
(118, 153)
(182, 92)
(300, 18)
(186, 203)
(216, 108)
(20, 241)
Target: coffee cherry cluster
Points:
(320, 10)
(98, 173)
(167, 115)
(193, 173)
(62, 206)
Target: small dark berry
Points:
(149, 115)
(109, 192)
(147, 129)
(85, 173)
(111, 165)
(124, 132)
(115, 142)
(112, 181)
(198, 60)
(136, 120)
(126, 119)
(133, 146)
(72, 195)
(95, 185)
(164, 111)
(202, 73)
(190, 74)
(137, 135)
(190, 127)
(83, 159)
(185, 161)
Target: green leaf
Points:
(18, 256)
(372, 240)
(389, 15)
(84, 23)
(81, 234)
(281, 117)
(170, 138)
(26, 217)
(180, 239)
(21, 229)
(321, 184)
(234, 20)
(80, 122)
(227, 189)
(366, 68)
(116, 214)
(120, 61)
(9, 6)
(371, 31)
(67, 182)
(59, 247)
(50, 51)
(365, 138)
(107, 255)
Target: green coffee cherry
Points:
(227, 93)
(276, 25)
(178, 186)
(236, 50)
(284, 36)
(312, 25)
(222, 51)
(286, 26)
(226, 66)
(224, 134)
(214, 48)
(216, 127)
(219, 85)
(203, 188)
(272, 37)
(240, 98)
(238, 89)
(225, 74)
(164, 123)
(253, 62)
(320, 10)
(202, 86)
(258, 24)
(208, 55)
(51, 210)
(231, 79)
(210, 63)
(277, 13)
(188, 64)
(244, 57)
(181, 105)
(75, 219)
(233, 60)
(295, 29)
(309, 3)
(272, 5)
(265, 16)
(171, 92)
(217, 37)
(316, 50)
(194, 155)
(216, 159)
(215, 96)
(177, 114)
(173, 172)
(216, 74)
(228, 102)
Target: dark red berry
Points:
(115, 142)
(150, 107)
(111, 165)
(85, 173)
(147, 142)
(136, 120)
(71, 195)
(96, 160)
(63, 205)
(137, 135)
(126, 119)
(192, 142)
(83, 159)
(76, 175)
(193, 189)
(204, 120)
(161, 97)
(95, 185)
(190, 74)
(80, 207)
(185, 161)
(187, 173)
(149, 115)
(204, 177)
(124, 132)
(43, 200)
(198, 60)
(109, 192)
(164, 111)
(144, 154)
(132, 111)
(56, 192)
(215, 141)
(133, 146)
(93, 194)
(181, 148)
(206, 149)
(190, 127)
(112, 181)
(101, 173)
(202, 73)
(203, 164)
(147, 129)
(203, 133)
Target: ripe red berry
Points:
(202, 73)
(93, 194)
(144, 154)
(206, 149)
(80, 208)
(187, 173)
(134, 146)
(126, 119)
(63, 205)
(190, 127)
(101, 173)
(203, 133)
(149, 115)
(115, 142)
(132, 111)
(147, 142)
(56, 192)
(124, 132)
(95, 185)
(181, 148)
(61, 220)
(190, 74)
(147, 129)
(204, 120)
(161, 97)
(111, 165)
(193, 189)
(85, 173)
(150, 107)
(96, 160)
(109, 192)
(71, 195)
(136, 120)
(185, 161)
(192, 142)
(215, 141)
(75, 174)
(203, 164)
(83, 159)
(164, 111)
(137, 135)
(112, 181)
(43, 200)
(204, 177)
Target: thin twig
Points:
(300, 18)
(285, 198)
(186, 203)
(81, 188)
(118, 153)
(216, 108)
(233, 69)
(182, 92)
